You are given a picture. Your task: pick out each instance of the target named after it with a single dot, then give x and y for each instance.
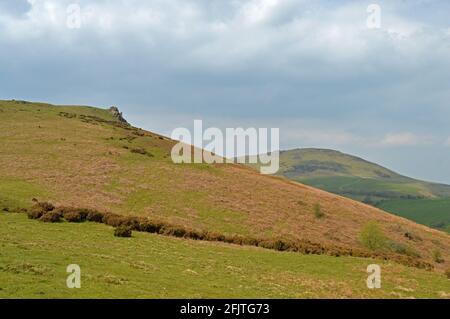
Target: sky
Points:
(319, 70)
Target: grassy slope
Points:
(34, 257)
(431, 212)
(70, 161)
(361, 180)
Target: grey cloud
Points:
(16, 7)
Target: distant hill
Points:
(353, 177)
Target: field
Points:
(34, 257)
(431, 212)
(365, 189)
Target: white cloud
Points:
(312, 137)
(405, 139)
(256, 11)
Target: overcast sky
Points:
(312, 68)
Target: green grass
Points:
(230, 222)
(34, 257)
(431, 212)
(358, 188)
(18, 193)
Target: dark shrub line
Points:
(50, 217)
(122, 231)
(48, 213)
(39, 209)
(141, 151)
(92, 119)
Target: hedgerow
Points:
(371, 237)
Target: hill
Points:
(86, 157)
(356, 178)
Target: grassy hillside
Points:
(34, 257)
(370, 183)
(431, 212)
(353, 176)
(84, 157)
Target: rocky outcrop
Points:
(117, 114)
